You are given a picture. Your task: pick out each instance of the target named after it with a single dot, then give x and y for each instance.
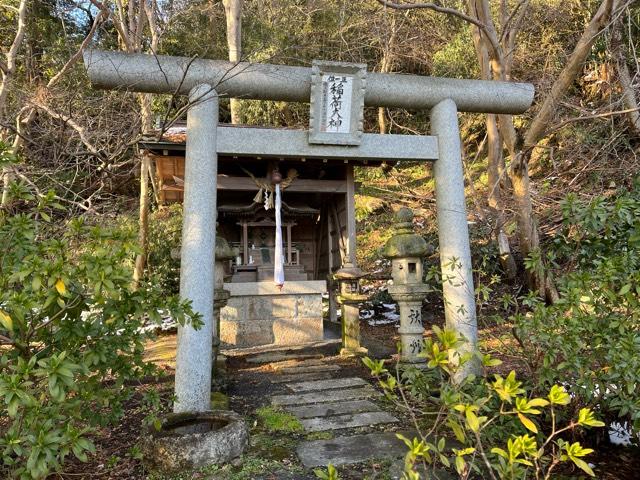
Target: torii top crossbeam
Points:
(164, 74)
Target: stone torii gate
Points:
(204, 81)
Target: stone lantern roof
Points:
(349, 272)
(405, 242)
(223, 250)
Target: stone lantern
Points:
(224, 253)
(406, 249)
(349, 299)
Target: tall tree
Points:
(8, 70)
(500, 50)
(233, 14)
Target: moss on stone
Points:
(219, 401)
(276, 420)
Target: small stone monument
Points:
(349, 299)
(406, 249)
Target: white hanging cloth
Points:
(278, 265)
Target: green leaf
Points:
(6, 320)
(458, 431)
(584, 466)
(501, 452)
(528, 423)
(472, 420)
(537, 402)
(559, 396)
(587, 418)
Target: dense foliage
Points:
(590, 339)
(501, 429)
(70, 333)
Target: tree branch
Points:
(74, 58)
(448, 11)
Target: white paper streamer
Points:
(278, 265)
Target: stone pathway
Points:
(325, 401)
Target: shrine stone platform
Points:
(257, 313)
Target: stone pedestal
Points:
(351, 325)
(411, 330)
(221, 296)
(406, 249)
(257, 313)
(349, 300)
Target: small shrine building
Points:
(318, 228)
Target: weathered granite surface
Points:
(258, 314)
(355, 449)
(193, 440)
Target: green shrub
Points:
(70, 334)
(500, 429)
(590, 339)
(165, 238)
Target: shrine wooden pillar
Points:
(245, 243)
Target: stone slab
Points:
(270, 357)
(323, 397)
(353, 449)
(331, 384)
(300, 377)
(310, 368)
(326, 344)
(294, 287)
(351, 420)
(332, 408)
(299, 363)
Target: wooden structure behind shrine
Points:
(318, 219)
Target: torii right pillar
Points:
(453, 232)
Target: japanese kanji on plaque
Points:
(337, 102)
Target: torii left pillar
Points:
(197, 271)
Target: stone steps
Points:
(320, 397)
(322, 385)
(324, 403)
(353, 449)
(352, 420)
(332, 408)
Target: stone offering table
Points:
(257, 313)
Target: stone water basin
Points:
(193, 440)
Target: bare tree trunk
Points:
(540, 278)
(143, 221)
(495, 158)
(8, 68)
(149, 8)
(143, 227)
(385, 67)
(233, 14)
(629, 98)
